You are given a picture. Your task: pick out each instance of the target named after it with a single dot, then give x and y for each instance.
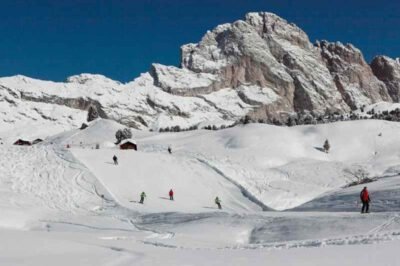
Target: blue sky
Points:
(51, 39)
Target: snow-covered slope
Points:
(274, 167)
(285, 167)
(56, 200)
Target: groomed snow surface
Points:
(285, 201)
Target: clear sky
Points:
(53, 39)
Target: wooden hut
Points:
(22, 142)
(36, 141)
(128, 144)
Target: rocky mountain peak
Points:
(270, 24)
(261, 66)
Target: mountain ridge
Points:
(263, 67)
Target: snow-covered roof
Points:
(128, 140)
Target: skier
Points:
(115, 159)
(142, 196)
(169, 149)
(171, 194)
(364, 196)
(218, 202)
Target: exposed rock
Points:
(92, 113)
(388, 71)
(267, 51)
(263, 68)
(353, 76)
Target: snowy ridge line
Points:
(244, 191)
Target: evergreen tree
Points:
(125, 133)
(326, 146)
(92, 113)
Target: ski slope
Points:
(53, 212)
(251, 168)
(195, 186)
(285, 167)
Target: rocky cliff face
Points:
(388, 71)
(353, 77)
(262, 66)
(267, 51)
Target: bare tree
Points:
(358, 174)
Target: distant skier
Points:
(365, 199)
(115, 159)
(142, 196)
(169, 149)
(218, 202)
(171, 194)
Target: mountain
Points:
(262, 66)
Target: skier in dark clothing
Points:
(171, 194)
(169, 149)
(365, 199)
(218, 202)
(115, 159)
(142, 196)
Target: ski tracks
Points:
(313, 243)
(385, 225)
(45, 179)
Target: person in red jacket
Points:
(365, 199)
(171, 194)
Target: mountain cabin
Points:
(36, 141)
(128, 144)
(22, 142)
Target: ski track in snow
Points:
(348, 240)
(39, 173)
(245, 192)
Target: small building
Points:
(22, 142)
(128, 144)
(36, 141)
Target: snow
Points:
(381, 107)
(128, 140)
(72, 205)
(259, 95)
(195, 185)
(182, 81)
(139, 104)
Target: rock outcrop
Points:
(261, 67)
(352, 75)
(388, 71)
